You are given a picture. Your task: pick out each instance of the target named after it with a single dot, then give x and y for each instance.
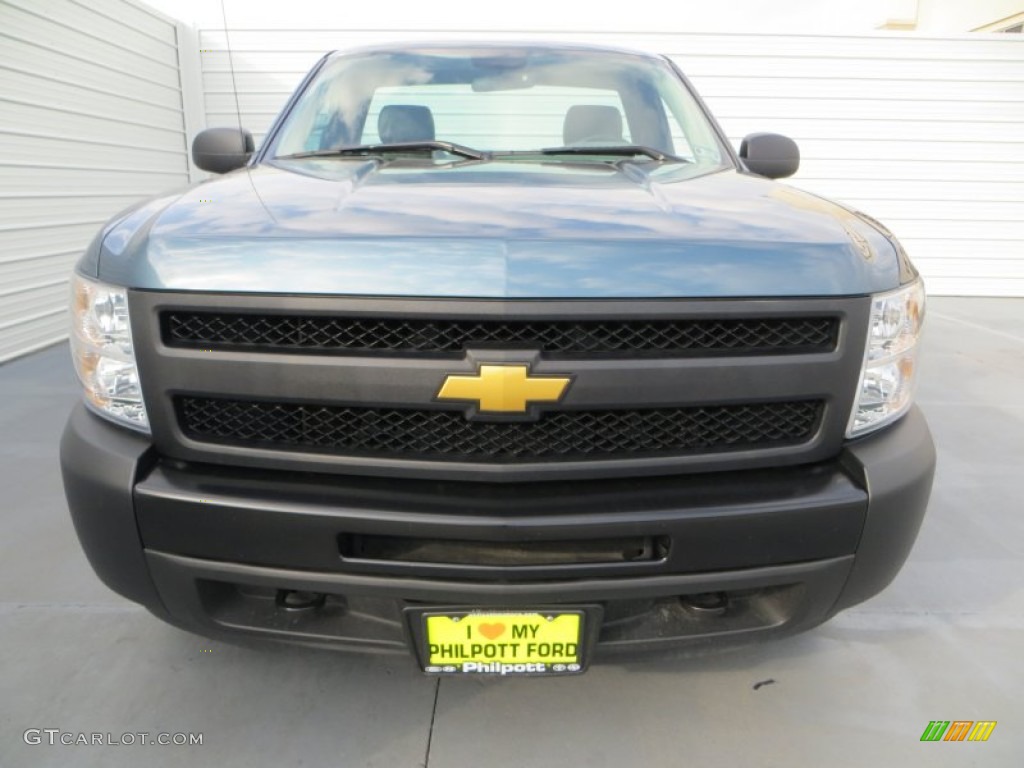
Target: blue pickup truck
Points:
(499, 356)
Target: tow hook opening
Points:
(706, 603)
(300, 600)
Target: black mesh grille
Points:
(332, 333)
(449, 435)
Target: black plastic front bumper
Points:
(212, 549)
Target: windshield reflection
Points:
(500, 99)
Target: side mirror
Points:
(771, 155)
(219, 150)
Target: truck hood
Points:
(495, 230)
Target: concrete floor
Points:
(945, 641)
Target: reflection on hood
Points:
(503, 229)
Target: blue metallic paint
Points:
(499, 229)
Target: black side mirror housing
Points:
(770, 154)
(219, 150)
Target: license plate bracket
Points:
(504, 642)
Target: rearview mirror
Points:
(219, 150)
(770, 154)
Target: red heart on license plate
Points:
(492, 631)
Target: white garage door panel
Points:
(885, 91)
(39, 267)
(258, 82)
(50, 150)
(90, 122)
(980, 268)
(17, 179)
(60, 235)
(822, 68)
(254, 120)
(28, 211)
(966, 251)
(868, 109)
(221, 102)
(817, 47)
(32, 332)
(256, 123)
(29, 89)
(969, 286)
(736, 45)
(108, 28)
(22, 302)
(905, 131)
(36, 119)
(30, 283)
(972, 231)
(154, 63)
(910, 170)
(963, 252)
(41, 60)
(132, 15)
(946, 210)
(864, 191)
(262, 42)
(285, 64)
(912, 151)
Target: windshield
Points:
(501, 100)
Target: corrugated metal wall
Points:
(921, 132)
(90, 121)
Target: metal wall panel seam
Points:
(91, 114)
(81, 87)
(127, 49)
(50, 225)
(29, 318)
(62, 52)
(94, 142)
(93, 9)
(34, 287)
(99, 169)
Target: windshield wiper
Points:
(615, 150)
(359, 150)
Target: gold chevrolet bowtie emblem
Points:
(504, 388)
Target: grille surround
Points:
(604, 381)
(445, 337)
(446, 435)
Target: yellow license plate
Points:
(504, 643)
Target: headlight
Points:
(889, 374)
(101, 346)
